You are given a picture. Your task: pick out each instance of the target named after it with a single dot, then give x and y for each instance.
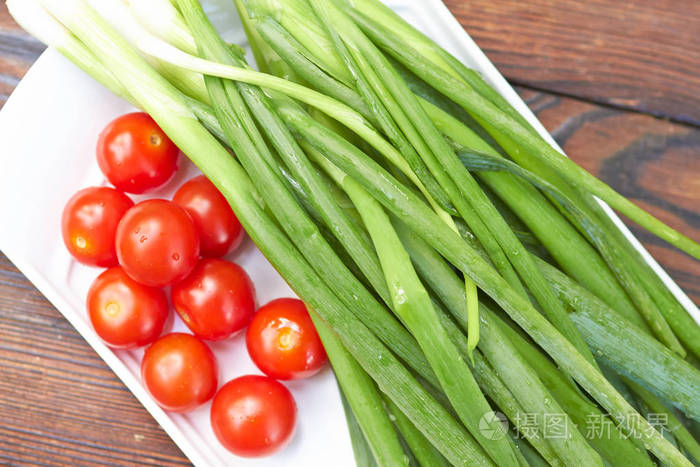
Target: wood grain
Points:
(61, 405)
(18, 50)
(641, 54)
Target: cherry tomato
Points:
(180, 372)
(219, 229)
(124, 313)
(157, 243)
(253, 416)
(215, 300)
(134, 153)
(282, 340)
(89, 223)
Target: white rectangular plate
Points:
(48, 132)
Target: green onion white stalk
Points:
(162, 19)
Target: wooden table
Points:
(616, 83)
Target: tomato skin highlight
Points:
(157, 243)
(219, 230)
(124, 313)
(89, 224)
(135, 155)
(180, 372)
(253, 416)
(282, 340)
(215, 300)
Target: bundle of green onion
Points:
(386, 181)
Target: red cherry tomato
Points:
(215, 300)
(157, 243)
(134, 153)
(180, 372)
(124, 313)
(89, 223)
(219, 229)
(282, 340)
(253, 416)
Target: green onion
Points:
(665, 302)
(578, 259)
(632, 353)
(414, 213)
(385, 109)
(295, 16)
(517, 375)
(423, 451)
(292, 52)
(412, 304)
(443, 281)
(364, 398)
(170, 24)
(639, 357)
(567, 246)
(504, 127)
(490, 383)
(428, 144)
(493, 391)
(339, 111)
(434, 149)
(360, 446)
(35, 20)
(616, 448)
(332, 107)
(377, 97)
(532, 458)
(504, 399)
(654, 318)
(280, 196)
(670, 421)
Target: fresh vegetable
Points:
(218, 228)
(124, 313)
(253, 416)
(412, 305)
(369, 227)
(135, 155)
(157, 243)
(89, 224)
(216, 300)
(180, 372)
(283, 342)
(511, 131)
(372, 434)
(219, 167)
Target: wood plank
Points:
(642, 55)
(18, 50)
(60, 404)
